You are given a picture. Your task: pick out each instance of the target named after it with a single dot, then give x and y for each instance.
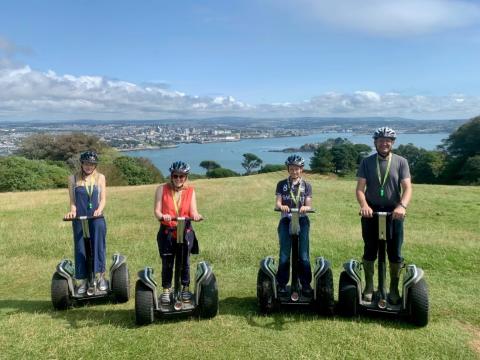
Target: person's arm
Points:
(157, 207)
(307, 206)
(278, 204)
(193, 208)
(103, 195)
(365, 210)
(401, 209)
(73, 208)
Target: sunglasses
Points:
(177, 176)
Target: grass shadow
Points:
(248, 308)
(80, 316)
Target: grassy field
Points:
(442, 237)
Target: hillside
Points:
(442, 237)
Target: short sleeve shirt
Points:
(302, 190)
(399, 170)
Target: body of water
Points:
(230, 154)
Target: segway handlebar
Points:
(186, 218)
(380, 213)
(84, 218)
(295, 210)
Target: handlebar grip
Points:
(295, 210)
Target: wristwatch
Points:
(403, 205)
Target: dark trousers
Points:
(169, 251)
(304, 270)
(394, 239)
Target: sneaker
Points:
(165, 298)
(81, 287)
(102, 283)
(186, 294)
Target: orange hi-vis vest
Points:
(168, 205)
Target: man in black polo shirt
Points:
(383, 184)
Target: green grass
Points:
(442, 237)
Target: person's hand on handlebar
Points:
(284, 208)
(197, 217)
(304, 209)
(97, 213)
(166, 217)
(399, 212)
(70, 215)
(366, 211)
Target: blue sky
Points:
(65, 60)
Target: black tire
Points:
(144, 311)
(418, 303)
(324, 303)
(347, 295)
(265, 295)
(208, 300)
(121, 284)
(60, 293)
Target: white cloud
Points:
(29, 94)
(392, 17)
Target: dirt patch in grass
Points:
(475, 342)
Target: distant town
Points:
(142, 135)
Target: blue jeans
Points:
(98, 231)
(304, 270)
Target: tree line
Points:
(44, 161)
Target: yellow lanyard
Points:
(176, 201)
(295, 199)
(89, 189)
(384, 180)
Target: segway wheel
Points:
(208, 300)
(324, 302)
(60, 293)
(347, 295)
(265, 295)
(418, 303)
(144, 314)
(121, 284)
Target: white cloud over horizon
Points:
(391, 17)
(27, 94)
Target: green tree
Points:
(209, 165)
(21, 174)
(411, 153)
(251, 162)
(65, 147)
(138, 171)
(428, 168)
(322, 159)
(344, 157)
(271, 168)
(470, 172)
(221, 173)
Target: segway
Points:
(63, 292)
(414, 292)
(204, 302)
(270, 299)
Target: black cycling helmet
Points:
(295, 160)
(89, 156)
(180, 167)
(385, 132)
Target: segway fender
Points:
(117, 261)
(413, 275)
(268, 267)
(66, 270)
(353, 269)
(202, 275)
(146, 277)
(321, 267)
